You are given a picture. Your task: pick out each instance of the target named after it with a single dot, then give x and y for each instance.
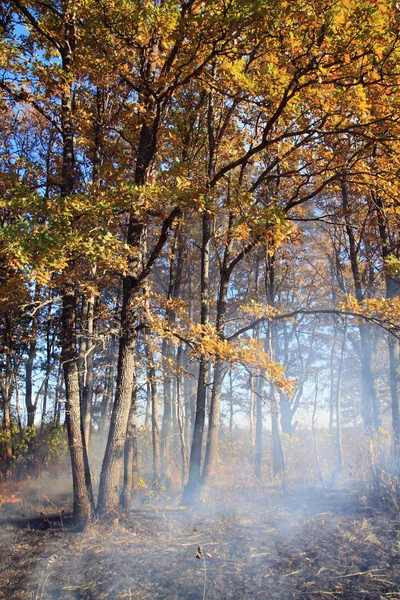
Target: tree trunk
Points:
(86, 364)
(109, 494)
(210, 460)
(82, 502)
(155, 432)
(174, 288)
(30, 406)
(193, 483)
(180, 415)
(82, 490)
(130, 454)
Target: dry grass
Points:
(259, 545)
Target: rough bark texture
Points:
(109, 489)
(155, 432)
(30, 405)
(79, 462)
(82, 505)
(130, 454)
(193, 483)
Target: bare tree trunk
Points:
(174, 288)
(57, 401)
(193, 483)
(30, 406)
(130, 454)
(86, 364)
(220, 370)
(155, 432)
(180, 415)
(82, 490)
(83, 509)
(109, 494)
(49, 366)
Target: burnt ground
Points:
(305, 546)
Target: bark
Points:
(82, 509)
(109, 494)
(49, 366)
(192, 486)
(86, 364)
(57, 402)
(109, 389)
(82, 489)
(174, 288)
(130, 454)
(6, 393)
(155, 432)
(180, 415)
(220, 370)
(30, 405)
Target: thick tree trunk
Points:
(82, 489)
(113, 459)
(83, 510)
(130, 454)
(86, 364)
(210, 460)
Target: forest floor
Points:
(304, 546)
